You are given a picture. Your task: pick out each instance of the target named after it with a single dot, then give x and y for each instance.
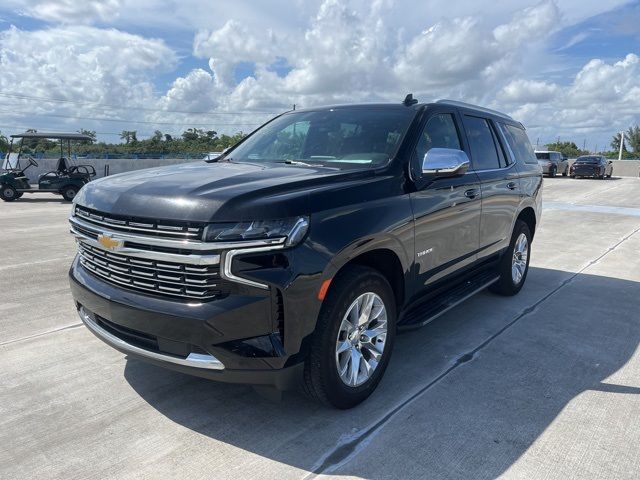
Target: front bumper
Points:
(229, 340)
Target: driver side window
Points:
(439, 132)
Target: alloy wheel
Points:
(361, 339)
(519, 261)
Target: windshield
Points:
(542, 155)
(337, 137)
(587, 159)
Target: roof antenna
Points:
(409, 100)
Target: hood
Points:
(210, 192)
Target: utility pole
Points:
(537, 142)
(621, 145)
(596, 150)
(294, 106)
(584, 144)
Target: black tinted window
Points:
(542, 155)
(439, 132)
(484, 153)
(519, 143)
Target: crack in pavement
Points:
(41, 334)
(352, 445)
(17, 265)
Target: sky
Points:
(567, 69)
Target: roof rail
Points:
(456, 103)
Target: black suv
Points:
(295, 256)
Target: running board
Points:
(427, 312)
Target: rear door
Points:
(446, 210)
(499, 183)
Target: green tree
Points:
(615, 143)
(90, 133)
(569, 149)
(157, 136)
(4, 143)
(633, 138)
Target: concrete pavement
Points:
(544, 384)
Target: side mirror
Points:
(445, 162)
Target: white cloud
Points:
(71, 11)
(491, 53)
(78, 63)
(527, 91)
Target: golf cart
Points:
(65, 180)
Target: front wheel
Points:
(69, 193)
(514, 265)
(8, 193)
(353, 340)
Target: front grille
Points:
(187, 281)
(141, 226)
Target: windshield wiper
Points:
(297, 162)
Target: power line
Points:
(21, 96)
(144, 122)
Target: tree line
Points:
(194, 141)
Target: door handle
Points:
(471, 193)
(512, 185)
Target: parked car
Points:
(595, 166)
(553, 163)
(293, 258)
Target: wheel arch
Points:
(528, 216)
(385, 261)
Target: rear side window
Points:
(484, 151)
(519, 143)
(542, 155)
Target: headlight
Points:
(293, 229)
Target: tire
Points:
(69, 193)
(8, 193)
(507, 285)
(552, 172)
(322, 380)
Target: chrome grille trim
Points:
(141, 255)
(168, 243)
(97, 262)
(152, 229)
(179, 267)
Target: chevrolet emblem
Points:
(109, 242)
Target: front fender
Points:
(385, 224)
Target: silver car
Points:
(553, 163)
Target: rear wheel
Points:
(8, 193)
(69, 193)
(353, 339)
(514, 265)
